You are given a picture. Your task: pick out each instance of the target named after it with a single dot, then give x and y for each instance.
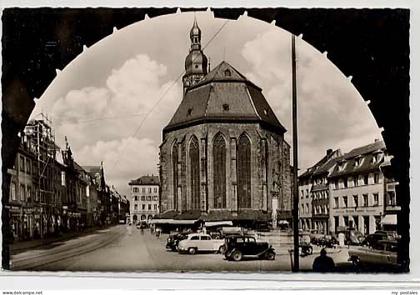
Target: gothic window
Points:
(175, 174)
(194, 174)
(244, 172)
(219, 171)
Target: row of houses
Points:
(355, 190)
(50, 193)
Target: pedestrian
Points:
(158, 232)
(323, 263)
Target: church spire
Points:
(196, 61)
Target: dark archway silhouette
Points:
(371, 45)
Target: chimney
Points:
(329, 152)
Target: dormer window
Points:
(189, 112)
(357, 161)
(376, 157)
(227, 73)
(226, 107)
(341, 166)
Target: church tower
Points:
(196, 61)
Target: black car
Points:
(236, 247)
(373, 239)
(173, 240)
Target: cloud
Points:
(134, 156)
(331, 113)
(119, 120)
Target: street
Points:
(124, 248)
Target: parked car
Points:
(315, 237)
(174, 239)
(305, 249)
(379, 235)
(199, 242)
(382, 255)
(239, 246)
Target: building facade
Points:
(144, 200)
(49, 192)
(314, 194)
(223, 153)
(357, 189)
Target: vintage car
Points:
(173, 240)
(379, 235)
(305, 248)
(236, 247)
(383, 255)
(199, 242)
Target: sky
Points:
(114, 99)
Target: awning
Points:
(389, 219)
(171, 221)
(218, 223)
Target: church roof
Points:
(145, 180)
(224, 95)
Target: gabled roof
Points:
(224, 95)
(367, 153)
(145, 180)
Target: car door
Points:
(194, 242)
(206, 243)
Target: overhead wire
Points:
(164, 93)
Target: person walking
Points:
(323, 263)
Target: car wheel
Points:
(237, 255)
(310, 250)
(192, 251)
(222, 249)
(270, 255)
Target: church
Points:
(223, 155)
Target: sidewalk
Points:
(21, 246)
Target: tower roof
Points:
(224, 95)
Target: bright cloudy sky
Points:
(100, 100)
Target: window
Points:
(29, 193)
(136, 198)
(22, 192)
(155, 198)
(135, 207)
(135, 189)
(336, 186)
(366, 179)
(206, 238)
(148, 198)
(365, 200)
(301, 194)
(355, 181)
(194, 174)
(195, 238)
(376, 199)
(225, 107)
(28, 166)
(244, 172)
(155, 207)
(345, 182)
(376, 178)
(155, 190)
(228, 73)
(150, 190)
(335, 202)
(345, 201)
(143, 190)
(22, 163)
(63, 178)
(307, 208)
(392, 200)
(175, 175)
(219, 171)
(13, 192)
(143, 207)
(356, 200)
(149, 207)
